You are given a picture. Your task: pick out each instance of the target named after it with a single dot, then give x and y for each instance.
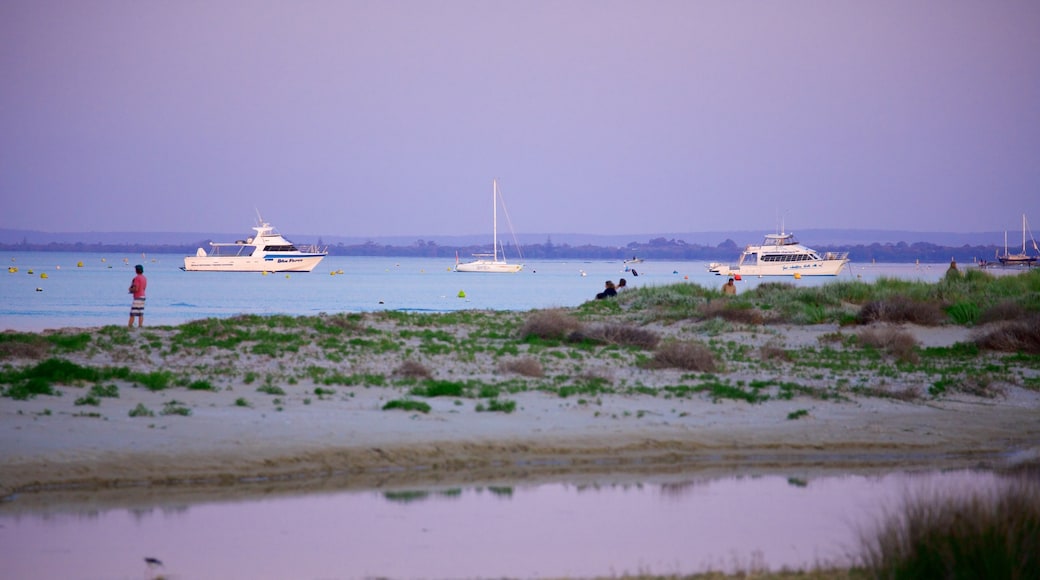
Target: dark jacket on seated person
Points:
(607, 292)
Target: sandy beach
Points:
(272, 418)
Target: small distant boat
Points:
(633, 260)
(494, 264)
(782, 255)
(1023, 258)
(267, 251)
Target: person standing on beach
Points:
(137, 288)
(729, 288)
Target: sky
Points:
(388, 118)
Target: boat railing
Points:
(312, 249)
(835, 255)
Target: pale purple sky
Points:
(392, 118)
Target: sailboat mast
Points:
(1023, 234)
(494, 219)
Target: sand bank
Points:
(313, 433)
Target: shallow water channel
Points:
(603, 526)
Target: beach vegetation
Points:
(552, 325)
(109, 391)
(114, 335)
(983, 534)
(774, 352)
(201, 385)
(407, 405)
(243, 402)
(435, 388)
(175, 407)
(413, 369)
(684, 355)
(892, 340)
(24, 345)
(61, 371)
(526, 366)
(496, 406)
(618, 334)
(270, 389)
(141, 411)
(1012, 336)
(321, 393)
(29, 389)
(795, 415)
(153, 381)
(89, 399)
(69, 342)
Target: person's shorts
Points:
(137, 308)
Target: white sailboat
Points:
(1023, 258)
(482, 262)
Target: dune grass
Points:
(662, 329)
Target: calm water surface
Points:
(550, 530)
(95, 294)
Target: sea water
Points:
(549, 530)
(69, 289)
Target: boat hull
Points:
(270, 263)
(1020, 260)
(808, 268)
(488, 266)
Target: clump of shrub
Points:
(740, 313)
(688, 356)
(550, 324)
(201, 385)
(29, 388)
(1006, 310)
(413, 369)
(1012, 336)
(496, 406)
(900, 309)
(773, 351)
(23, 345)
(440, 389)
(141, 411)
(895, 341)
(620, 334)
(992, 534)
(527, 366)
(407, 405)
(175, 408)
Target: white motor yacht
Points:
(782, 255)
(267, 251)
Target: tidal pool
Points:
(548, 530)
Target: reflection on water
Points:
(531, 531)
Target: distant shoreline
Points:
(657, 249)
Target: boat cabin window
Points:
(788, 258)
(288, 248)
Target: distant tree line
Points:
(655, 249)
